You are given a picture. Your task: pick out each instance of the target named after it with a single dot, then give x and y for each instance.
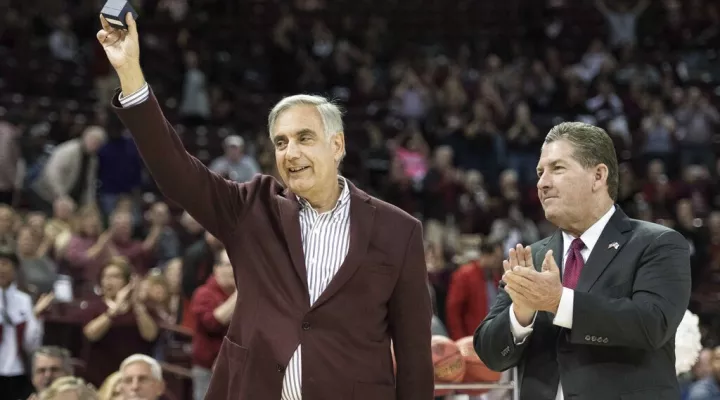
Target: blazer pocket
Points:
(374, 391)
(228, 371)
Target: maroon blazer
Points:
(378, 294)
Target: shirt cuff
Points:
(519, 332)
(564, 316)
(136, 98)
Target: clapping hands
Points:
(529, 289)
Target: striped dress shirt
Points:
(325, 240)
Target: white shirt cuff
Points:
(564, 316)
(136, 98)
(519, 332)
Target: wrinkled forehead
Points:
(296, 121)
(45, 360)
(139, 369)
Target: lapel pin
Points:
(613, 245)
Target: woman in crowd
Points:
(37, 274)
(110, 389)
(88, 251)
(116, 316)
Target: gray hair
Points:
(155, 368)
(330, 112)
(55, 352)
(592, 146)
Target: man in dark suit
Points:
(603, 325)
(326, 275)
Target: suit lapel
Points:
(362, 216)
(555, 243)
(607, 247)
(290, 220)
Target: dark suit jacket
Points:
(628, 304)
(378, 294)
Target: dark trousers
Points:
(15, 387)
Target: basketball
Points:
(475, 370)
(448, 362)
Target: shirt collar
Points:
(590, 236)
(342, 200)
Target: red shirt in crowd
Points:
(470, 294)
(209, 332)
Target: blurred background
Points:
(447, 104)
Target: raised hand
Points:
(121, 46)
(519, 256)
(43, 303)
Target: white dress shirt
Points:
(564, 316)
(325, 240)
(20, 310)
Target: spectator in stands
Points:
(7, 226)
(198, 263)
(235, 165)
(168, 242)
(88, 250)
(141, 378)
(111, 388)
(69, 388)
(472, 290)
(139, 253)
(37, 273)
(177, 305)
(708, 388)
(697, 120)
(190, 230)
(118, 316)
(62, 42)
(523, 144)
(48, 364)
(60, 223)
(71, 171)
(195, 104)
(20, 332)
(10, 158)
(119, 169)
(622, 22)
(213, 305)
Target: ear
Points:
(600, 177)
(338, 146)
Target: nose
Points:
(292, 151)
(543, 182)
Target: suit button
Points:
(280, 368)
(593, 338)
(306, 326)
(587, 337)
(605, 340)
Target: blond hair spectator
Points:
(110, 389)
(69, 388)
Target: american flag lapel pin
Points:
(613, 245)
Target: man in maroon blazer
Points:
(327, 275)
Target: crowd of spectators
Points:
(447, 104)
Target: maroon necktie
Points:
(573, 264)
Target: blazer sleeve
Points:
(650, 317)
(217, 204)
(410, 318)
(493, 339)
